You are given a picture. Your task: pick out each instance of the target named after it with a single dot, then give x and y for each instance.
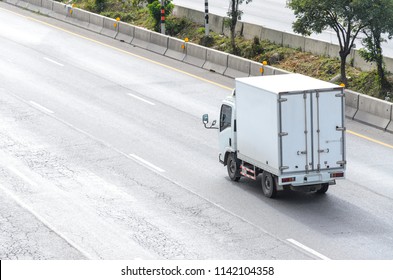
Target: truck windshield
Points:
(225, 117)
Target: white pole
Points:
(206, 18)
(163, 17)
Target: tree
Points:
(234, 15)
(343, 16)
(378, 21)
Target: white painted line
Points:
(42, 108)
(54, 62)
(304, 247)
(146, 163)
(141, 99)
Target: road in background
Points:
(103, 154)
(271, 14)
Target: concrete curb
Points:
(158, 43)
(238, 67)
(79, 17)
(126, 32)
(176, 49)
(216, 61)
(96, 23)
(374, 112)
(352, 103)
(195, 54)
(110, 27)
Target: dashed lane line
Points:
(307, 249)
(53, 61)
(141, 99)
(41, 108)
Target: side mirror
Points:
(205, 120)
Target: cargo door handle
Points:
(323, 151)
(301, 153)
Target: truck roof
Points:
(287, 83)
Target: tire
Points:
(324, 188)
(233, 167)
(268, 185)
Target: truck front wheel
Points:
(233, 167)
(268, 185)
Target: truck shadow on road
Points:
(327, 213)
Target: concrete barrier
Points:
(176, 49)
(238, 31)
(96, 23)
(216, 23)
(47, 4)
(250, 31)
(126, 32)
(195, 54)
(351, 103)
(374, 111)
(60, 11)
(359, 62)
(237, 67)
(196, 16)
(13, 2)
(273, 36)
(316, 47)
(255, 69)
(110, 27)
(37, 3)
(79, 17)
(158, 43)
(46, 7)
(294, 41)
(22, 4)
(334, 51)
(390, 126)
(34, 5)
(216, 61)
(141, 37)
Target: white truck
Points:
(289, 128)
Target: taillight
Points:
(288, 180)
(337, 175)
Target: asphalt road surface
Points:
(272, 14)
(103, 156)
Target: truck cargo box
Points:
(289, 124)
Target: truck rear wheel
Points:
(268, 185)
(324, 188)
(233, 168)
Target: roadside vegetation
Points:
(144, 13)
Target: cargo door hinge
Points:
(283, 134)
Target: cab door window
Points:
(225, 117)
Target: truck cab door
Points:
(226, 134)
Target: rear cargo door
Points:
(311, 131)
(295, 137)
(328, 130)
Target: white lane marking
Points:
(304, 247)
(146, 163)
(141, 99)
(35, 214)
(42, 108)
(54, 62)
